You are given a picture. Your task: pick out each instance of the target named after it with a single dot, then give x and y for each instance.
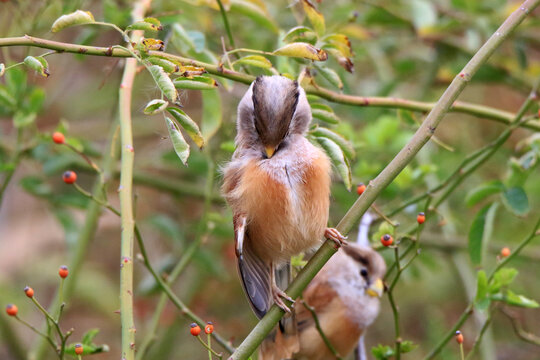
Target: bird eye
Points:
(364, 273)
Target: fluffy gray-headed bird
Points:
(278, 187)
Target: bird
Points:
(277, 185)
(345, 298)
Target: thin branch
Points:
(226, 23)
(519, 330)
(478, 339)
(404, 157)
(384, 102)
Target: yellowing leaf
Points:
(255, 60)
(341, 42)
(302, 50)
(152, 44)
(181, 147)
(188, 124)
(39, 64)
(195, 83)
(315, 17)
(78, 17)
(355, 31)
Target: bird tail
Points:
(282, 342)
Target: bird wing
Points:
(254, 272)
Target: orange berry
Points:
(78, 349)
(12, 310)
(387, 240)
(29, 291)
(421, 217)
(69, 177)
(58, 137)
(209, 328)
(505, 252)
(195, 329)
(459, 337)
(360, 188)
(63, 271)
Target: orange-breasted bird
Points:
(278, 187)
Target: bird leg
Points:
(334, 235)
(277, 293)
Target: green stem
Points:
(207, 347)
(226, 23)
(48, 339)
(404, 157)
(478, 340)
(14, 163)
(384, 102)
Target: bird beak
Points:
(269, 151)
(376, 289)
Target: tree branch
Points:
(419, 139)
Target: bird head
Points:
(371, 268)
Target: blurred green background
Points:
(403, 49)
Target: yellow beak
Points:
(269, 151)
(376, 289)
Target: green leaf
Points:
(515, 200)
(195, 83)
(188, 124)
(164, 82)
(89, 336)
(481, 300)
(338, 159)
(181, 147)
(155, 106)
(324, 115)
(302, 50)
(502, 277)
(407, 346)
(39, 64)
(480, 231)
(6, 99)
(22, 119)
(212, 114)
(315, 17)
(150, 24)
(78, 17)
(516, 300)
(479, 193)
(330, 75)
(300, 34)
(256, 13)
(382, 352)
(345, 145)
(167, 65)
(255, 60)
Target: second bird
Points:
(278, 186)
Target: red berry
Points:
(360, 188)
(63, 271)
(29, 291)
(78, 349)
(12, 310)
(459, 337)
(195, 329)
(58, 137)
(421, 217)
(209, 328)
(69, 177)
(387, 240)
(505, 252)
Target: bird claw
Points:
(334, 235)
(277, 295)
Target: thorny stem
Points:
(404, 157)
(126, 193)
(320, 330)
(384, 102)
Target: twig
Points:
(44, 336)
(419, 139)
(384, 102)
(519, 330)
(320, 330)
(478, 339)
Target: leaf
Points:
(164, 82)
(78, 17)
(382, 352)
(315, 17)
(168, 66)
(502, 277)
(345, 145)
(212, 114)
(185, 42)
(39, 64)
(302, 50)
(6, 98)
(481, 301)
(255, 60)
(155, 106)
(330, 75)
(256, 13)
(147, 44)
(480, 231)
(301, 34)
(89, 336)
(188, 124)
(340, 42)
(195, 83)
(519, 300)
(515, 199)
(338, 159)
(150, 24)
(22, 119)
(484, 190)
(324, 115)
(181, 147)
